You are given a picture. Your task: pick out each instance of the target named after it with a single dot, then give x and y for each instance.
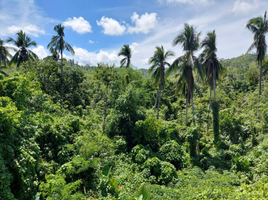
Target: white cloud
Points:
(85, 57)
(111, 26)
(26, 16)
(91, 42)
(79, 25)
(30, 29)
(143, 23)
(133, 47)
(244, 7)
(184, 1)
(40, 51)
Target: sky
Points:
(97, 29)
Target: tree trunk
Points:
(187, 98)
(128, 62)
(159, 100)
(193, 108)
(156, 100)
(61, 67)
(260, 80)
(214, 83)
(210, 91)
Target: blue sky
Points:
(97, 29)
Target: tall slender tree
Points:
(59, 44)
(212, 66)
(259, 27)
(5, 56)
(158, 62)
(23, 42)
(189, 40)
(126, 52)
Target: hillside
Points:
(93, 134)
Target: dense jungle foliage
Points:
(93, 134)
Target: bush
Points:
(163, 171)
(172, 152)
(141, 153)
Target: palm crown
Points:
(4, 55)
(58, 43)
(259, 27)
(126, 52)
(212, 66)
(158, 62)
(23, 42)
(184, 65)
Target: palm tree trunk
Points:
(159, 100)
(214, 83)
(210, 91)
(187, 99)
(156, 100)
(193, 108)
(260, 80)
(128, 62)
(61, 67)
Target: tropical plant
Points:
(259, 27)
(23, 42)
(158, 62)
(189, 39)
(212, 66)
(4, 55)
(58, 43)
(126, 52)
(54, 55)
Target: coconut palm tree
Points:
(23, 42)
(5, 56)
(184, 65)
(126, 52)
(259, 27)
(158, 62)
(212, 66)
(59, 44)
(54, 55)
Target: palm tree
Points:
(59, 44)
(126, 52)
(23, 42)
(158, 62)
(189, 40)
(4, 56)
(54, 55)
(259, 27)
(213, 68)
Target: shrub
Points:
(171, 152)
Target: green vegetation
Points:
(93, 133)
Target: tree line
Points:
(207, 64)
